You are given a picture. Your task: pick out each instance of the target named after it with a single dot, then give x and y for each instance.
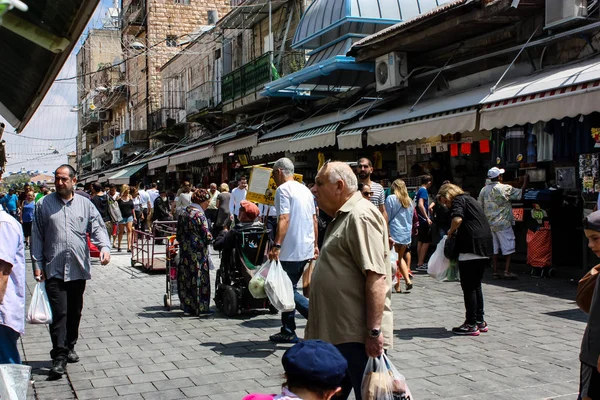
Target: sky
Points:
(53, 127)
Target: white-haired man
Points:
(351, 286)
(295, 240)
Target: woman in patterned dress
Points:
(193, 235)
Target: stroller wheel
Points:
(230, 301)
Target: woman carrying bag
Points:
(471, 240)
(400, 210)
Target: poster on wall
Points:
(441, 147)
(402, 165)
(425, 148)
(589, 172)
(411, 150)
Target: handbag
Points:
(306, 277)
(585, 289)
(451, 247)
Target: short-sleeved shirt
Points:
(399, 219)
(422, 193)
(296, 200)
(12, 311)
(10, 202)
(590, 345)
(495, 199)
(27, 213)
(378, 197)
(356, 242)
(144, 199)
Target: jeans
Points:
(471, 273)
(66, 303)
(356, 356)
(9, 351)
(294, 269)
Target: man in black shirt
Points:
(161, 209)
(100, 200)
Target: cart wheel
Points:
(132, 264)
(273, 310)
(230, 301)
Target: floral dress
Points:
(193, 278)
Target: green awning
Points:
(123, 176)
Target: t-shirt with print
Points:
(378, 197)
(495, 200)
(295, 199)
(422, 193)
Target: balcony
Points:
(202, 97)
(91, 121)
(134, 14)
(165, 118)
(253, 75)
(103, 149)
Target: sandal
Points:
(495, 275)
(510, 275)
(409, 286)
(397, 288)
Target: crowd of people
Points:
(345, 221)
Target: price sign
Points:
(441, 147)
(425, 148)
(262, 186)
(518, 214)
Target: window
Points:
(171, 41)
(181, 1)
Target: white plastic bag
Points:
(394, 262)
(39, 309)
(438, 263)
(382, 381)
(256, 286)
(279, 288)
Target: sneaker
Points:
(59, 368)
(284, 338)
(72, 357)
(482, 326)
(421, 268)
(466, 330)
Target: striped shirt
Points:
(59, 242)
(378, 198)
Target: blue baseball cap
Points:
(317, 362)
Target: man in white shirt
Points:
(12, 288)
(146, 205)
(211, 211)
(237, 195)
(295, 240)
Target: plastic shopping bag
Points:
(382, 381)
(394, 262)
(14, 381)
(39, 309)
(279, 288)
(256, 286)
(438, 263)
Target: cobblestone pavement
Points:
(132, 348)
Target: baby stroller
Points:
(238, 265)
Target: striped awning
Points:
(271, 147)
(191, 156)
(351, 139)
(161, 162)
(316, 138)
(218, 159)
(230, 146)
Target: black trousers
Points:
(471, 273)
(66, 303)
(211, 215)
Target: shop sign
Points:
(411, 150)
(425, 148)
(120, 140)
(262, 186)
(402, 164)
(518, 214)
(441, 147)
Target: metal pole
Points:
(270, 42)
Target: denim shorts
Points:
(124, 221)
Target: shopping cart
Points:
(171, 269)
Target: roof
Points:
(28, 69)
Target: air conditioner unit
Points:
(116, 157)
(560, 12)
(104, 115)
(182, 116)
(96, 164)
(202, 104)
(391, 71)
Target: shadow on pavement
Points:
(39, 368)
(243, 349)
(429, 332)
(575, 315)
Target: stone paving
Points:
(131, 348)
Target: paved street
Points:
(132, 348)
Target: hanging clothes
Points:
(545, 142)
(531, 150)
(497, 146)
(515, 144)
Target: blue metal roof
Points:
(327, 20)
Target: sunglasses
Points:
(367, 193)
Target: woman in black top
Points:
(474, 247)
(126, 206)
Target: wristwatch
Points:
(374, 333)
(277, 246)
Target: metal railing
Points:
(133, 14)
(254, 74)
(165, 118)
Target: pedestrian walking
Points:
(44, 190)
(223, 214)
(295, 241)
(237, 195)
(112, 192)
(400, 210)
(424, 236)
(351, 285)
(126, 207)
(495, 198)
(364, 170)
(183, 198)
(10, 202)
(474, 247)
(194, 237)
(100, 200)
(589, 356)
(12, 288)
(61, 256)
(146, 206)
(212, 210)
(27, 216)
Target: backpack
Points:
(114, 211)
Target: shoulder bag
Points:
(585, 289)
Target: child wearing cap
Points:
(314, 370)
(589, 383)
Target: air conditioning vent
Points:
(561, 12)
(116, 157)
(104, 115)
(96, 164)
(391, 71)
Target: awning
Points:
(123, 176)
(236, 144)
(161, 162)
(566, 91)
(351, 139)
(271, 147)
(216, 159)
(191, 156)
(316, 138)
(449, 113)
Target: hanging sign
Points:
(441, 147)
(411, 150)
(425, 148)
(262, 186)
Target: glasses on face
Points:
(367, 194)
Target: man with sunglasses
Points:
(364, 169)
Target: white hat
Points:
(495, 172)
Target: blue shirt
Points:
(10, 202)
(422, 194)
(400, 220)
(27, 213)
